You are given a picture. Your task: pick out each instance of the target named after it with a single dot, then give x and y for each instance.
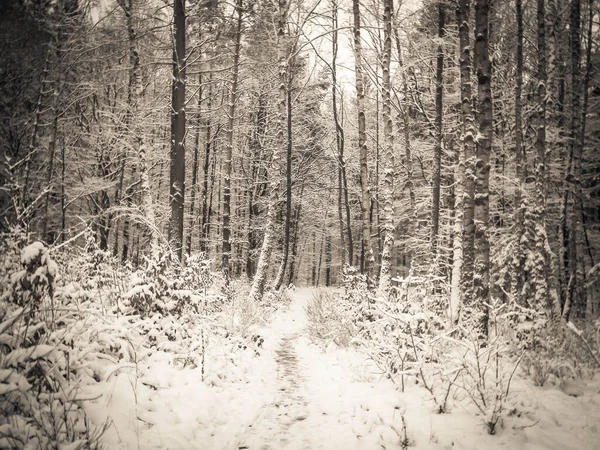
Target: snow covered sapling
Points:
(35, 281)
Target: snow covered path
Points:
(290, 395)
(320, 401)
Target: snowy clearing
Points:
(292, 395)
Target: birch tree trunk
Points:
(367, 258)
(385, 275)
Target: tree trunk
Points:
(385, 275)
(517, 283)
(50, 169)
(177, 156)
(345, 192)
(258, 283)
(33, 143)
(63, 196)
(292, 273)
(328, 260)
(468, 139)
(52, 142)
(134, 93)
(257, 188)
(204, 223)
(193, 187)
(482, 167)
(589, 306)
(437, 151)
(226, 255)
(208, 227)
(367, 258)
(288, 193)
(576, 295)
(405, 113)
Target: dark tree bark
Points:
(205, 218)
(519, 216)
(296, 226)
(194, 186)
(35, 134)
(437, 151)
(576, 294)
(177, 156)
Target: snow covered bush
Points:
(357, 293)
(338, 316)
(405, 343)
(38, 376)
(330, 319)
(562, 352)
(90, 273)
(485, 376)
(165, 287)
(552, 351)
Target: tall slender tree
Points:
(260, 277)
(385, 275)
(367, 257)
(437, 152)
(227, 163)
(468, 143)
(177, 155)
(483, 152)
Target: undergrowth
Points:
(73, 317)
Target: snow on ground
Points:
(292, 395)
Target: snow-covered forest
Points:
(299, 224)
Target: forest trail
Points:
(290, 394)
(320, 402)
